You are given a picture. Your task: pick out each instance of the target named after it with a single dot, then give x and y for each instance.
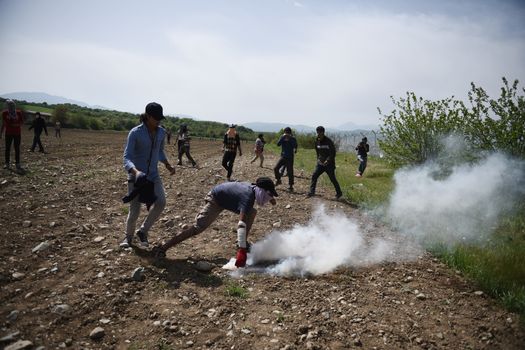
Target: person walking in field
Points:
(259, 150)
(237, 197)
(58, 126)
(12, 121)
(183, 145)
(362, 155)
(325, 150)
(38, 125)
(144, 149)
(231, 143)
(288, 145)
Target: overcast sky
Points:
(297, 62)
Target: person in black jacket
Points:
(231, 144)
(183, 145)
(325, 149)
(38, 125)
(362, 154)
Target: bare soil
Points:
(71, 199)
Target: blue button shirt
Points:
(142, 149)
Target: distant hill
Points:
(40, 97)
(274, 127)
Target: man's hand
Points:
(240, 259)
(140, 178)
(170, 168)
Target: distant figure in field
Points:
(183, 145)
(325, 149)
(231, 143)
(144, 149)
(259, 149)
(12, 121)
(58, 126)
(362, 155)
(38, 125)
(168, 135)
(288, 145)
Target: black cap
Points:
(320, 128)
(233, 126)
(266, 184)
(155, 110)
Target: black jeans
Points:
(8, 141)
(185, 149)
(362, 165)
(36, 141)
(288, 163)
(330, 170)
(227, 162)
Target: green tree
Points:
(497, 124)
(413, 131)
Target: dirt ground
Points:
(57, 294)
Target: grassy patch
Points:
(237, 291)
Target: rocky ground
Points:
(66, 284)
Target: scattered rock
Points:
(42, 246)
(20, 345)
(26, 223)
(18, 276)
(97, 333)
(11, 337)
(99, 239)
(13, 316)
(478, 293)
(204, 266)
(421, 296)
(62, 309)
(138, 274)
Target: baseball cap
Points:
(233, 125)
(155, 110)
(266, 184)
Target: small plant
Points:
(237, 291)
(124, 210)
(280, 317)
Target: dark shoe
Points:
(158, 252)
(278, 182)
(127, 242)
(338, 195)
(290, 188)
(310, 194)
(31, 150)
(179, 163)
(143, 238)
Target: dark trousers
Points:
(227, 162)
(330, 171)
(362, 165)
(36, 141)
(288, 163)
(8, 141)
(184, 149)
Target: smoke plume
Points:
(461, 204)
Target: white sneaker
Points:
(357, 175)
(127, 242)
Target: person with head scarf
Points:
(362, 155)
(231, 144)
(12, 121)
(237, 197)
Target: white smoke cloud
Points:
(462, 206)
(328, 241)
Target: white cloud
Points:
(336, 68)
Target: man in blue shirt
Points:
(144, 149)
(288, 145)
(237, 197)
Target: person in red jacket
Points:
(12, 120)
